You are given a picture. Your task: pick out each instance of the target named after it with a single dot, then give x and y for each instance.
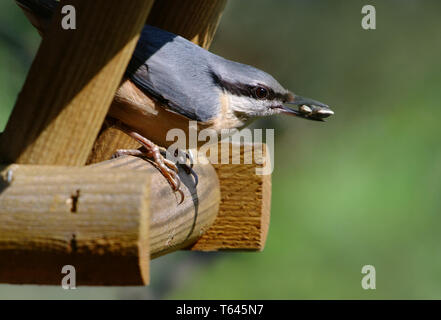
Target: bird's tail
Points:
(38, 12)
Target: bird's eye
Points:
(260, 92)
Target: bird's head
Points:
(254, 93)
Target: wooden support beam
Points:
(94, 220)
(244, 213)
(106, 220)
(242, 222)
(72, 82)
(175, 226)
(196, 20)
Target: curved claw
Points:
(168, 169)
(175, 183)
(171, 165)
(171, 176)
(182, 195)
(177, 180)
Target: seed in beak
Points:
(324, 113)
(305, 109)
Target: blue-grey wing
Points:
(176, 72)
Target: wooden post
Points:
(72, 82)
(196, 20)
(94, 220)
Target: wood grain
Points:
(175, 226)
(196, 20)
(106, 220)
(244, 213)
(72, 82)
(108, 141)
(242, 222)
(95, 220)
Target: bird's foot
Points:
(168, 169)
(150, 150)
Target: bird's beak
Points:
(308, 109)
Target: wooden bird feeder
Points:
(62, 202)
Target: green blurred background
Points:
(362, 188)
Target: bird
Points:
(171, 81)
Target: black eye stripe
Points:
(239, 89)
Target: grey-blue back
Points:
(176, 72)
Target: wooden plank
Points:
(196, 20)
(71, 83)
(244, 213)
(94, 220)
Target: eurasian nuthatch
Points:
(171, 81)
